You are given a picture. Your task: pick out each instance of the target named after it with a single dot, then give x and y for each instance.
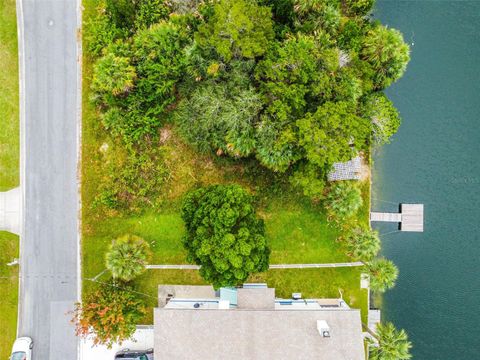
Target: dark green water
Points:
(434, 159)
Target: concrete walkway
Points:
(11, 211)
(273, 266)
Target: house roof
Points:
(257, 334)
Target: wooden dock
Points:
(410, 217)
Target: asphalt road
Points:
(49, 240)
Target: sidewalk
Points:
(10, 211)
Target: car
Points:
(22, 349)
(127, 354)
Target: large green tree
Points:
(221, 113)
(387, 54)
(127, 257)
(108, 315)
(237, 28)
(224, 234)
(393, 344)
(332, 134)
(383, 274)
(383, 116)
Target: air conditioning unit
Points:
(323, 328)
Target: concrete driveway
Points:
(141, 340)
(49, 129)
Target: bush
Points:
(99, 31)
(343, 200)
(127, 257)
(224, 235)
(113, 77)
(133, 177)
(109, 315)
(160, 60)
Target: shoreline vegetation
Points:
(177, 98)
(9, 169)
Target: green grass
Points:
(9, 172)
(9, 124)
(297, 230)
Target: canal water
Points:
(434, 159)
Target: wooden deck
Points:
(410, 217)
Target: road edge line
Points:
(21, 91)
(79, 37)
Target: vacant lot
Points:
(297, 229)
(9, 174)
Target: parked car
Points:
(127, 354)
(22, 349)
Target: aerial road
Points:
(49, 241)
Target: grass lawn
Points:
(9, 173)
(297, 230)
(9, 124)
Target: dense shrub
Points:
(133, 178)
(224, 235)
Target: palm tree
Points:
(343, 200)
(392, 344)
(127, 257)
(363, 244)
(383, 274)
(387, 54)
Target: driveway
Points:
(49, 285)
(141, 340)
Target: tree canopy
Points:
(127, 257)
(383, 274)
(362, 244)
(343, 199)
(295, 84)
(224, 234)
(109, 314)
(237, 28)
(393, 344)
(387, 54)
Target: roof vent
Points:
(323, 328)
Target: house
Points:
(197, 322)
